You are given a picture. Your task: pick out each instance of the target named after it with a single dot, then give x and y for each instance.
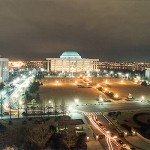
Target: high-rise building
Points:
(147, 74)
(4, 70)
(71, 62)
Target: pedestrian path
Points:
(92, 113)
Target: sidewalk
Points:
(92, 144)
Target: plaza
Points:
(123, 87)
(68, 89)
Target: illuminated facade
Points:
(133, 66)
(27, 64)
(4, 70)
(147, 74)
(70, 62)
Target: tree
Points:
(37, 97)
(63, 106)
(38, 135)
(11, 148)
(2, 85)
(70, 137)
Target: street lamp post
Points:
(143, 98)
(49, 105)
(1, 100)
(19, 103)
(1, 106)
(10, 109)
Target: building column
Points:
(69, 65)
(82, 65)
(48, 66)
(55, 66)
(62, 67)
(96, 65)
(76, 65)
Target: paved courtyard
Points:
(66, 89)
(124, 87)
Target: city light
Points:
(87, 138)
(97, 137)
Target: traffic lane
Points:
(106, 107)
(107, 141)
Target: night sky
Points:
(111, 30)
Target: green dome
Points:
(70, 54)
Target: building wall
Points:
(71, 65)
(147, 74)
(4, 70)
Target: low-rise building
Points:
(4, 69)
(71, 62)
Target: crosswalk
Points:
(91, 113)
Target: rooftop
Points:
(70, 54)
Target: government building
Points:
(4, 69)
(71, 62)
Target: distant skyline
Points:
(110, 30)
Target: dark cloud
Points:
(105, 29)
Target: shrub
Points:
(10, 122)
(30, 119)
(24, 122)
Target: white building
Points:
(4, 70)
(147, 74)
(71, 62)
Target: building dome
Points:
(70, 54)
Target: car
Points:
(104, 129)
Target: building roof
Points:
(70, 54)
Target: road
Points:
(110, 106)
(98, 110)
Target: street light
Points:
(10, 106)
(100, 98)
(143, 98)
(19, 103)
(116, 96)
(76, 100)
(1, 100)
(98, 85)
(57, 82)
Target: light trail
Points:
(16, 96)
(92, 119)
